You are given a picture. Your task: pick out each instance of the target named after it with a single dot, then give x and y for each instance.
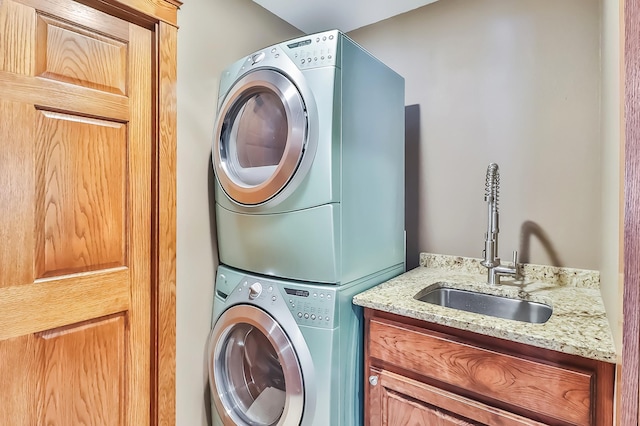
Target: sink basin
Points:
(487, 304)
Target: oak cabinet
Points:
(419, 373)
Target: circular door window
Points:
(260, 137)
(254, 372)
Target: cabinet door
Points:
(75, 212)
(395, 400)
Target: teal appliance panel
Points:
(350, 159)
(310, 334)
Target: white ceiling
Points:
(346, 15)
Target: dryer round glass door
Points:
(260, 137)
(254, 372)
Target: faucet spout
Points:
(492, 188)
(490, 253)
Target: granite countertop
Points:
(578, 325)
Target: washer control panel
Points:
(311, 306)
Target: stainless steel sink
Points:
(487, 304)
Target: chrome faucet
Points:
(490, 253)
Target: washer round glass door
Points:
(254, 372)
(260, 137)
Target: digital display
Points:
(301, 293)
(299, 43)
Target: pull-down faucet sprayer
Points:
(490, 253)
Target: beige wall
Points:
(212, 35)
(511, 82)
(611, 268)
(517, 83)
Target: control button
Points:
(299, 314)
(313, 316)
(309, 59)
(273, 50)
(330, 37)
(277, 55)
(302, 61)
(328, 296)
(315, 59)
(322, 58)
(255, 290)
(318, 39)
(257, 58)
(315, 294)
(319, 317)
(290, 301)
(324, 38)
(306, 316)
(270, 288)
(293, 306)
(274, 298)
(321, 295)
(329, 57)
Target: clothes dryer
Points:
(308, 155)
(286, 353)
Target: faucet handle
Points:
(515, 258)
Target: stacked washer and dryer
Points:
(308, 155)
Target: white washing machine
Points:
(308, 155)
(286, 353)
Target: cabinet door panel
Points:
(404, 412)
(399, 400)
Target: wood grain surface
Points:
(408, 394)
(560, 393)
(165, 230)
(77, 172)
(87, 185)
(630, 395)
(81, 205)
(75, 55)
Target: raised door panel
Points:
(82, 369)
(80, 193)
(70, 376)
(76, 128)
(399, 400)
(70, 53)
(402, 411)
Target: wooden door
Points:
(75, 216)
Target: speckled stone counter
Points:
(577, 326)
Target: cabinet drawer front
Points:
(556, 392)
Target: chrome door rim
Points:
(248, 314)
(296, 113)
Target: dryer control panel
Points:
(317, 50)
